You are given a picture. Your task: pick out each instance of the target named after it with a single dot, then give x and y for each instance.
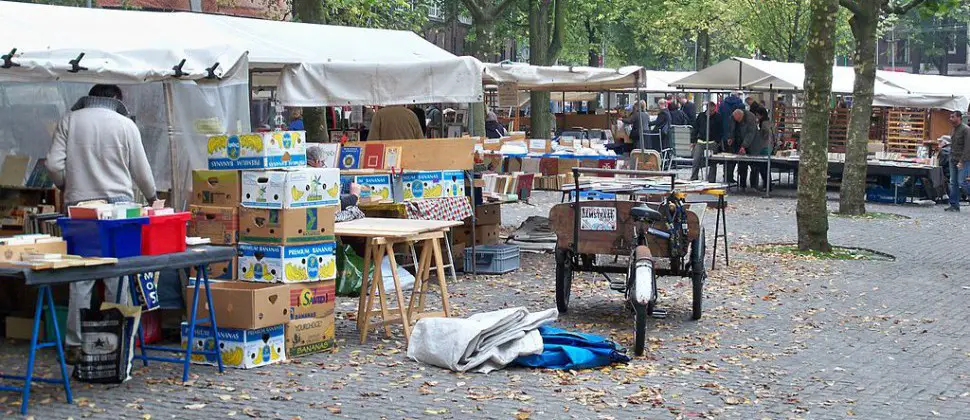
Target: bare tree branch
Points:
(853, 6)
(904, 8)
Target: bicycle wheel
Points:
(564, 279)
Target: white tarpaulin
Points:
(660, 81)
(118, 46)
(891, 89)
(564, 78)
(386, 82)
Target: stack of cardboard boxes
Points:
(259, 196)
(488, 221)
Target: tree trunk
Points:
(703, 49)
(811, 211)
(852, 195)
(314, 119)
(592, 37)
(476, 126)
(484, 46)
(539, 34)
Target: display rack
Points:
(905, 130)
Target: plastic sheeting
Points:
(338, 83)
(30, 111)
(118, 46)
(564, 78)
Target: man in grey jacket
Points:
(97, 154)
(959, 160)
(746, 132)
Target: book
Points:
(392, 157)
(373, 156)
(350, 157)
(39, 177)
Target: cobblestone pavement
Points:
(780, 338)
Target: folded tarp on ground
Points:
(569, 350)
(480, 343)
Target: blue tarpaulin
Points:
(569, 350)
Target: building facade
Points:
(900, 50)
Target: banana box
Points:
(290, 189)
(215, 188)
(239, 348)
(377, 185)
(453, 183)
(225, 270)
(287, 264)
(276, 149)
(419, 185)
(219, 224)
(239, 304)
(286, 226)
(309, 335)
(312, 300)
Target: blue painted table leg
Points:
(204, 273)
(135, 301)
(33, 349)
(192, 318)
(46, 290)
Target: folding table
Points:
(198, 257)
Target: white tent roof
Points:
(892, 89)
(118, 46)
(660, 81)
(564, 78)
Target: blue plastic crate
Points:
(493, 259)
(880, 194)
(103, 238)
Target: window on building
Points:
(434, 9)
(952, 40)
(902, 51)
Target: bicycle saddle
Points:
(641, 213)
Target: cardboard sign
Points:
(539, 146)
(286, 226)
(288, 264)
(243, 305)
(598, 218)
(215, 188)
(508, 94)
(309, 335)
(289, 189)
(240, 348)
(148, 290)
(453, 183)
(277, 149)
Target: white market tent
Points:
(564, 78)
(891, 89)
(660, 81)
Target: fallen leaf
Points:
(225, 397)
(146, 416)
(334, 410)
(436, 411)
(732, 400)
(194, 406)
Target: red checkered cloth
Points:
(447, 209)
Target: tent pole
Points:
(707, 147)
(636, 81)
(250, 97)
(173, 148)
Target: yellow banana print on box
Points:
(297, 194)
(433, 192)
(329, 270)
(252, 142)
(334, 190)
(217, 143)
(296, 273)
(233, 357)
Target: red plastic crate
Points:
(164, 234)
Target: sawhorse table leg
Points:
(201, 282)
(43, 294)
(720, 231)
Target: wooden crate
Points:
(905, 130)
(788, 124)
(838, 130)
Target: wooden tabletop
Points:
(376, 227)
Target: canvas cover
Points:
(564, 78)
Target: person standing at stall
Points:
(745, 137)
(959, 160)
(702, 140)
(97, 154)
(395, 123)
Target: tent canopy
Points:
(891, 89)
(118, 46)
(660, 81)
(564, 78)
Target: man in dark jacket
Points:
(688, 107)
(726, 111)
(678, 116)
(702, 140)
(639, 122)
(661, 125)
(746, 136)
(959, 160)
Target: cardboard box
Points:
(488, 214)
(239, 348)
(293, 188)
(287, 264)
(309, 335)
(566, 166)
(215, 188)
(492, 144)
(219, 224)
(277, 149)
(286, 226)
(14, 252)
(377, 185)
(453, 183)
(541, 146)
(312, 300)
(243, 305)
(425, 184)
(487, 234)
(225, 270)
(21, 328)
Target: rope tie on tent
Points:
(212, 71)
(76, 64)
(8, 59)
(178, 69)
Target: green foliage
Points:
(384, 14)
(932, 28)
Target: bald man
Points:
(744, 138)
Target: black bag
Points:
(107, 341)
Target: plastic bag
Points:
(107, 343)
(349, 267)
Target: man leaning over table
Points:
(959, 160)
(97, 154)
